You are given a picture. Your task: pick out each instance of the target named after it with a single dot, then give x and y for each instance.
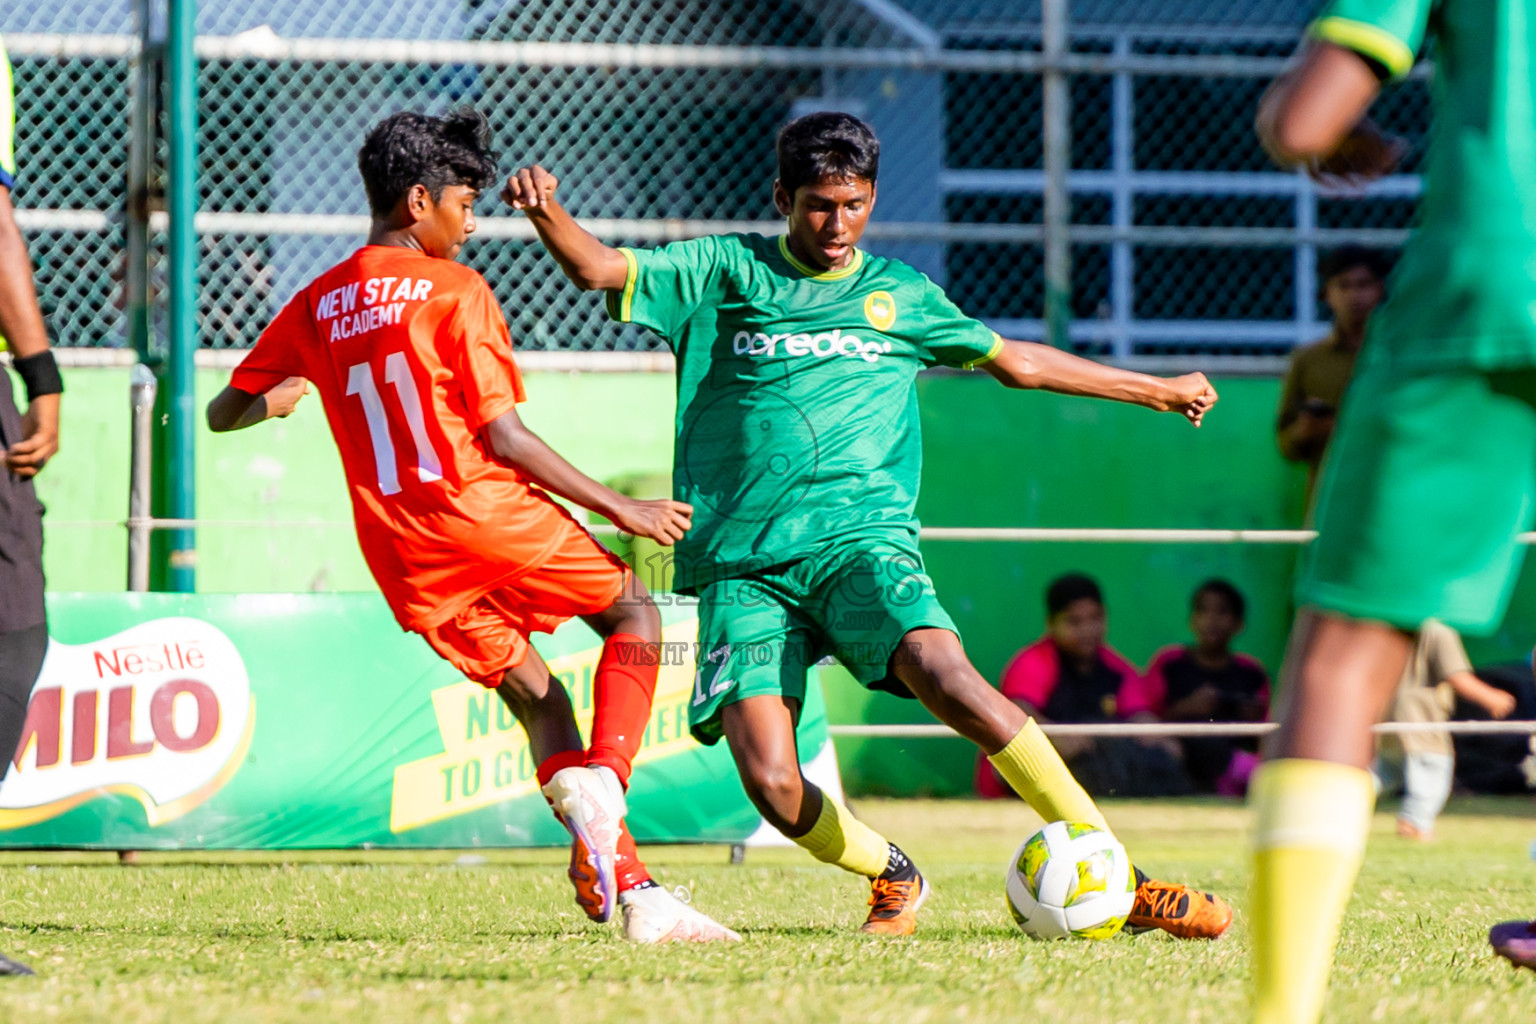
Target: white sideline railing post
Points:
(142, 403)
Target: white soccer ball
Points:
(1071, 879)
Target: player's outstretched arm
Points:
(233, 409)
(1028, 364)
(1313, 116)
(591, 265)
(663, 521)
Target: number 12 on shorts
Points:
(397, 371)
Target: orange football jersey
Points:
(412, 358)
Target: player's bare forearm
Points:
(1030, 365)
(21, 322)
(1310, 110)
(591, 265)
(514, 444)
(527, 452)
(233, 409)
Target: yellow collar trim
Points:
(852, 268)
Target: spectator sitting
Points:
(1207, 682)
(1072, 675)
(1423, 764)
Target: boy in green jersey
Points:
(798, 447)
(1433, 471)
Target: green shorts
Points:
(759, 635)
(1431, 476)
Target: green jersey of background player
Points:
(798, 447)
(1432, 473)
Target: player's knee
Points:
(634, 613)
(774, 785)
(645, 620)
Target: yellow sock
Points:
(1038, 774)
(840, 838)
(1312, 822)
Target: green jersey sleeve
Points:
(948, 337)
(7, 123)
(1386, 32)
(666, 286)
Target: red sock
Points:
(630, 870)
(555, 762)
(623, 688)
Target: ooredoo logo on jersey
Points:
(822, 345)
(162, 713)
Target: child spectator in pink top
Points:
(1071, 675)
(1207, 681)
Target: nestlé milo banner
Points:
(169, 721)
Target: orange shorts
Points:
(490, 635)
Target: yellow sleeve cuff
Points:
(623, 309)
(1364, 38)
(992, 353)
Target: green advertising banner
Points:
(273, 721)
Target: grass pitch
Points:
(418, 938)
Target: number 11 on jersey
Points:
(397, 371)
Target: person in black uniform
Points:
(27, 441)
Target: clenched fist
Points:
(530, 188)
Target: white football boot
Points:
(652, 914)
(590, 801)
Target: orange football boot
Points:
(893, 905)
(1180, 911)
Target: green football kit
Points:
(1433, 471)
(799, 447)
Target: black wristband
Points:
(40, 373)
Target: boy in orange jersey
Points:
(413, 362)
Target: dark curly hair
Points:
(826, 146)
(408, 149)
(1223, 589)
(1066, 590)
(1347, 257)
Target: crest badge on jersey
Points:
(880, 310)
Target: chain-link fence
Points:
(658, 115)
